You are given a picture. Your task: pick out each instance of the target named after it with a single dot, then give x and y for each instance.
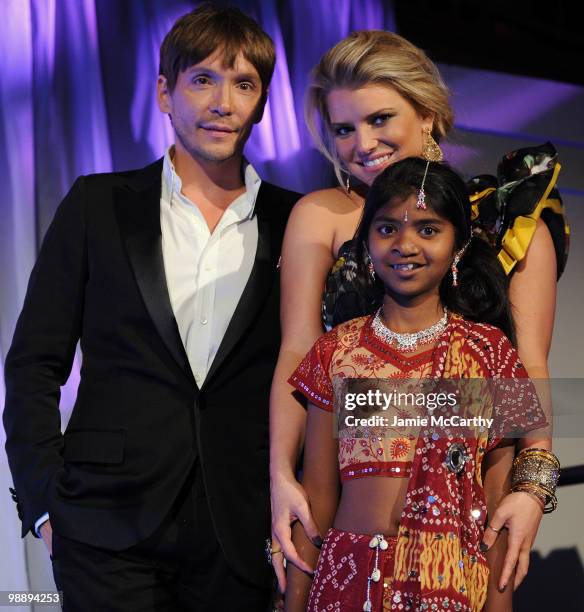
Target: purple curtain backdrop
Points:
(77, 86)
(77, 96)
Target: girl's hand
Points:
(290, 504)
(520, 513)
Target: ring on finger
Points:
(270, 552)
(493, 529)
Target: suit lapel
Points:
(257, 287)
(138, 212)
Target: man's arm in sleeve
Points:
(40, 358)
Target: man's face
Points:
(213, 108)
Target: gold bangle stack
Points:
(536, 471)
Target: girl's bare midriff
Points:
(371, 505)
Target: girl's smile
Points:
(410, 254)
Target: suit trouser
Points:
(179, 567)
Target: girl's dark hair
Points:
(482, 291)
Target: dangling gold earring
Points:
(431, 150)
(348, 184)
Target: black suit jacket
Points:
(139, 422)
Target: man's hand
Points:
(289, 504)
(47, 535)
(521, 514)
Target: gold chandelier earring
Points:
(431, 150)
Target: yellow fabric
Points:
(517, 238)
(440, 558)
(476, 197)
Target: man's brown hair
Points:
(201, 32)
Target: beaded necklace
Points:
(410, 341)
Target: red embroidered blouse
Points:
(438, 561)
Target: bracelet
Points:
(536, 471)
(539, 493)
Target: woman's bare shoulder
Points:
(327, 216)
(333, 201)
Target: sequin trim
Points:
(396, 469)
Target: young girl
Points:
(405, 527)
(375, 98)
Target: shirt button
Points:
(207, 268)
(203, 321)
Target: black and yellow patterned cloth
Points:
(505, 210)
(506, 207)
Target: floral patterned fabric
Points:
(347, 293)
(437, 556)
(354, 352)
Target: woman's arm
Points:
(532, 293)
(496, 483)
(306, 260)
(321, 482)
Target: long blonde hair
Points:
(375, 56)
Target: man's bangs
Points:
(213, 41)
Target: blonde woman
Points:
(375, 99)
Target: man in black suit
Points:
(157, 495)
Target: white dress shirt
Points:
(206, 272)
